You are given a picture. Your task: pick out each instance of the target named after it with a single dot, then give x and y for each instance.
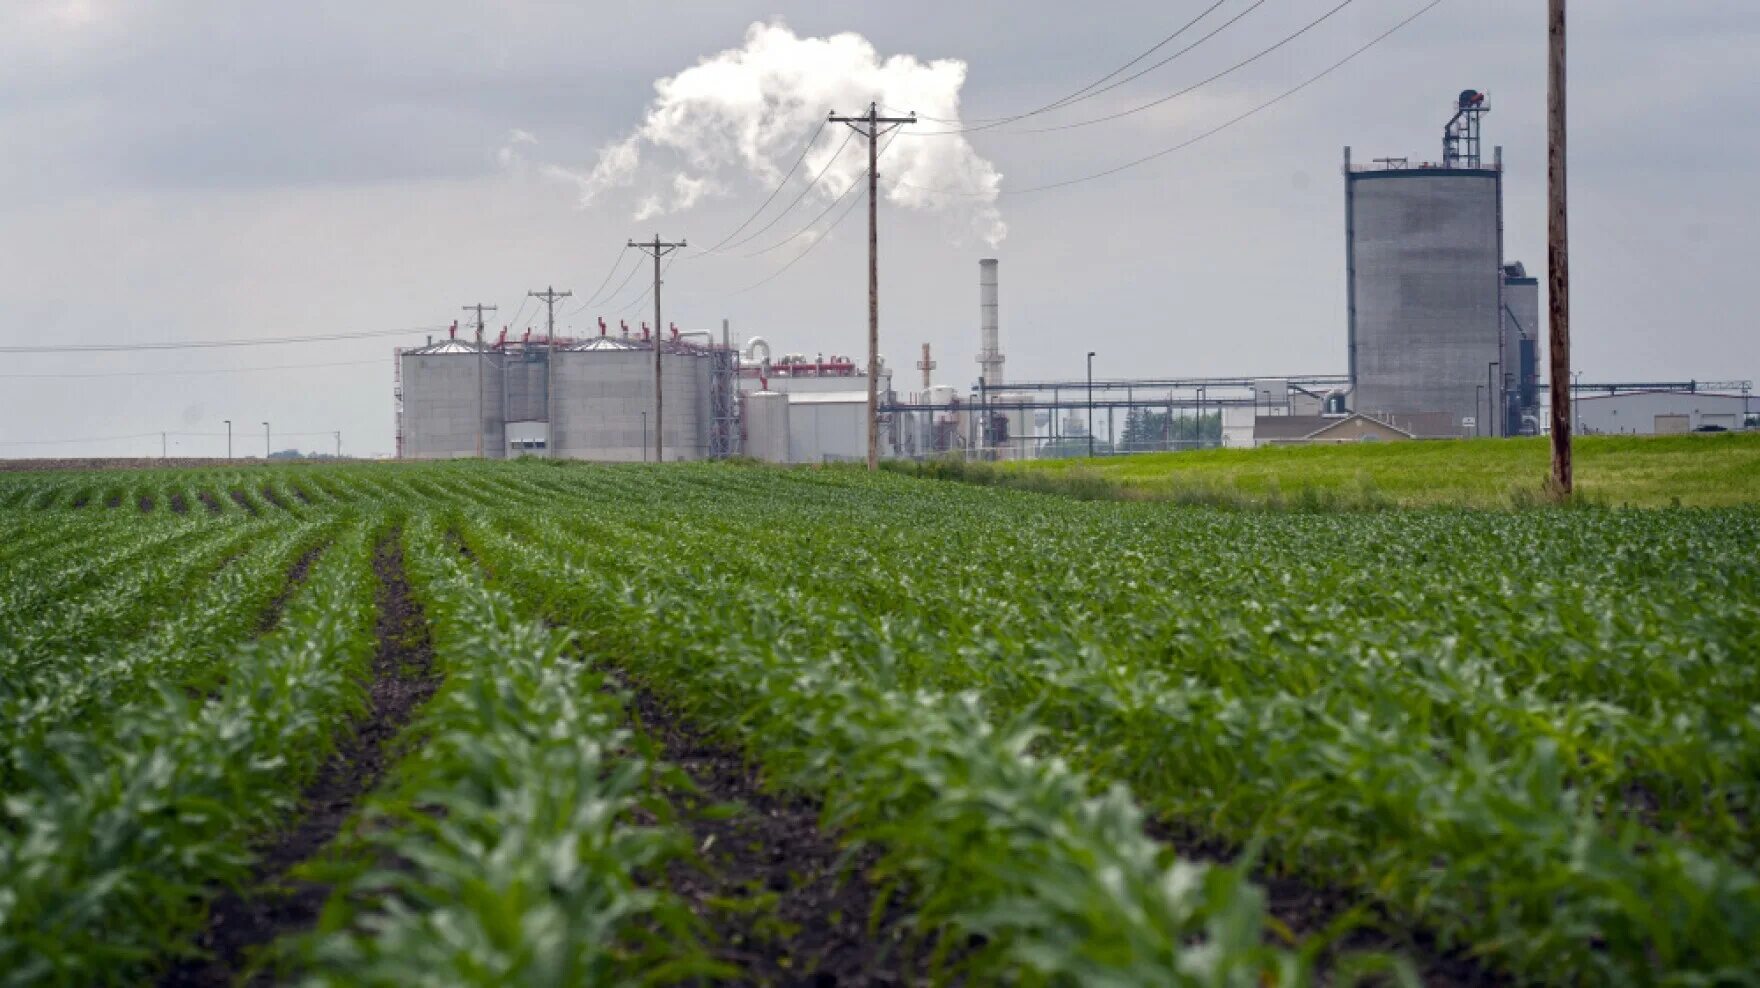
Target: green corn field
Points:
(561, 724)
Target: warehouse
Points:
(1660, 412)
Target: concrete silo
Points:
(605, 401)
(1424, 255)
(452, 401)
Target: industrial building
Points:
(1437, 321)
(589, 399)
(1442, 340)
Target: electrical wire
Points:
(748, 238)
(201, 371)
(1083, 92)
(211, 344)
(142, 435)
(1243, 63)
(1087, 94)
(807, 149)
(1256, 110)
(827, 234)
(616, 263)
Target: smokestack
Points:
(989, 350)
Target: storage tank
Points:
(452, 394)
(1523, 332)
(604, 405)
(1424, 256)
(767, 426)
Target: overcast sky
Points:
(211, 170)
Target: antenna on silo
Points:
(1460, 139)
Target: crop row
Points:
(114, 836)
(1367, 744)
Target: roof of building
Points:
(1290, 426)
(1273, 428)
(444, 346)
(606, 343)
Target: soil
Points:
(300, 492)
(80, 499)
(270, 496)
(296, 577)
(1307, 909)
(782, 903)
(179, 505)
(207, 498)
(275, 904)
(239, 499)
(145, 503)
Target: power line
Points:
(748, 238)
(1086, 94)
(1083, 92)
(206, 370)
(140, 435)
(779, 186)
(1219, 128)
(1243, 63)
(616, 263)
(772, 276)
(210, 344)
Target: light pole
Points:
(1478, 426)
(1090, 404)
(644, 437)
(265, 441)
(1490, 396)
(1576, 402)
(229, 439)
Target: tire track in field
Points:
(276, 904)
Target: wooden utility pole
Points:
(1558, 272)
(479, 308)
(658, 248)
(871, 125)
(550, 296)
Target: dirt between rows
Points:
(296, 578)
(781, 902)
(274, 904)
(1308, 909)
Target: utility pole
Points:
(339, 444)
(266, 447)
(1558, 276)
(229, 439)
(869, 125)
(657, 248)
(550, 295)
(162, 446)
(479, 308)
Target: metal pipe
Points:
(1090, 404)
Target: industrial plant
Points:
(1443, 335)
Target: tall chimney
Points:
(989, 350)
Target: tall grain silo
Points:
(604, 403)
(452, 401)
(1424, 255)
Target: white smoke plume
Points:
(748, 110)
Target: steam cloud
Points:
(748, 110)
